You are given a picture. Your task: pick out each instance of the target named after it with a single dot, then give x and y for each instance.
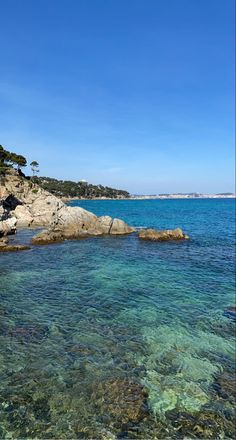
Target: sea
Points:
(114, 337)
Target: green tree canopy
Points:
(9, 159)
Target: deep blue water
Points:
(86, 324)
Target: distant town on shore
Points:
(227, 195)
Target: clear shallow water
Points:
(116, 338)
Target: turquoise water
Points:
(114, 338)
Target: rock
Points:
(119, 227)
(82, 349)
(122, 400)
(44, 209)
(91, 226)
(104, 224)
(4, 241)
(60, 234)
(47, 237)
(8, 227)
(3, 212)
(23, 216)
(13, 184)
(13, 247)
(11, 202)
(68, 216)
(163, 235)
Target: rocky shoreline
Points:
(24, 204)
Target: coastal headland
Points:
(24, 204)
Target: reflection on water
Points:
(115, 338)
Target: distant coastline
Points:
(156, 197)
(186, 196)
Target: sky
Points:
(134, 94)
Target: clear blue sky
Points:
(137, 94)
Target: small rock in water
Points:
(6, 247)
(14, 248)
(164, 235)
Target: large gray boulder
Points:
(67, 216)
(74, 231)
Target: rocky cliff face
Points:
(24, 204)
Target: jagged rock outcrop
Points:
(164, 235)
(31, 206)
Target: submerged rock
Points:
(230, 312)
(81, 349)
(122, 400)
(163, 235)
(225, 385)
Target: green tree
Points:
(8, 159)
(34, 167)
(5, 159)
(18, 160)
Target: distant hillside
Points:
(67, 188)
